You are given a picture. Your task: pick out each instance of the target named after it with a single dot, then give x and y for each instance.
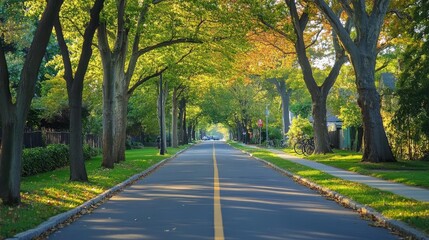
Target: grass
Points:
(412, 212)
(51, 193)
(413, 173)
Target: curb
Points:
(89, 205)
(394, 225)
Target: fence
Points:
(43, 138)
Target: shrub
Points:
(299, 128)
(89, 152)
(44, 159)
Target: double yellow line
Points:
(218, 223)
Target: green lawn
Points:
(49, 194)
(414, 173)
(412, 212)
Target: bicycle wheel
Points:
(308, 149)
(297, 147)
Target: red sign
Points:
(260, 123)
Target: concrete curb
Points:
(396, 226)
(90, 204)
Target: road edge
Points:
(394, 225)
(89, 205)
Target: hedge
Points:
(43, 159)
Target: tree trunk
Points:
(14, 115)
(11, 154)
(321, 135)
(77, 164)
(285, 98)
(174, 135)
(120, 115)
(75, 88)
(161, 116)
(109, 154)
(184, 125)
(114, 95)
(377, 148)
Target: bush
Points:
(89, 152)
(44, 159)
(299, 128)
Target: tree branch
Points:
(167, 43)
(335, 22)
(5, 95)
(345, 4)
(267, 24)
(159, 72)
(68, 71)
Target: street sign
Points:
(260, 123)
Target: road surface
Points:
(213, 191)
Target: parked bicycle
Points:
(304, 146)
(270, 144)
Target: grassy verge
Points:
(413, 173)
(51, 193)
(414, 213)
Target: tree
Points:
(117, 76)
(412, 117)
(300, 22)
(14, 114)
(75, 89)
(162, 92)
(362, 50)
(271, 59)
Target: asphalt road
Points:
(213, 189)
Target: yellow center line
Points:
(218, 224)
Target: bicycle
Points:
(304, 146)
(270, 144)
(308, 147)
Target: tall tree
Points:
(14, 114)
(75, 88)
(318, 93)
(412, 116)
(300, 20)
(368, 18)
(162, 93)
(117, 76)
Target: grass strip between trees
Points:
(48, 194)
(412, 212)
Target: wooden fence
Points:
(43, 138)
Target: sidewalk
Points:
(416, 193)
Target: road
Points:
(213, 191)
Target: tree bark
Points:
(321, 135)
(376, 148)
(14, 115)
